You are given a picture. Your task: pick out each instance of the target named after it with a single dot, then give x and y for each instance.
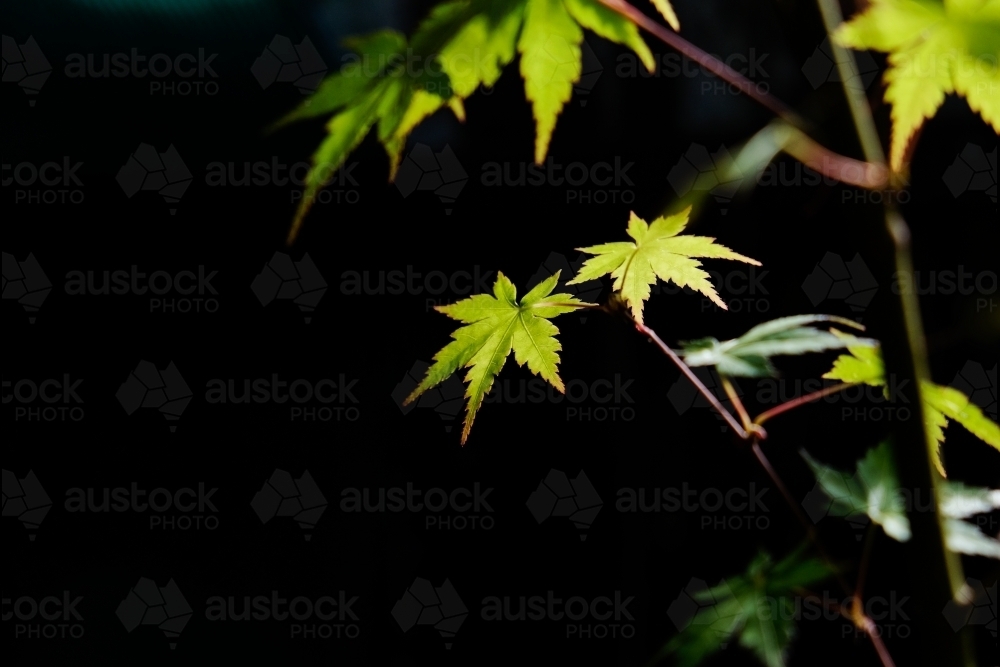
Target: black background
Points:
(377, 338)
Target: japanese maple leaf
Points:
(657, 252)
(934, 49)
(864, 365)
(495, 325)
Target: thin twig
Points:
(799, 514)
(802, 400)
(849, 77)
(866, 555)
(871, 629)
(709, 62)
(871, 176)
(709, 396)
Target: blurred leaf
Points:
(756, 608)
(865, 365)
(750, 354)
(460, 46)
(873, 490)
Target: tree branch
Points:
(867, 175)
(802, 400)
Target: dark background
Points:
(377, 338)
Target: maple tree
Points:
(935, 49)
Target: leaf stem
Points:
(709, 62)
(734, 398)
(686, 370)
(797, 511)
(801, 400)
(866, 554)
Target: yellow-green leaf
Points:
(667, 12)
(865, 365)
(346, 130)
(611, 26)
(657, 252)
(495, 325)
(480, 48)
(550, 64)
(934, 50)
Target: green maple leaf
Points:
(757, 608)
(495, 325)
(750, 354)
(375, 88)
(865, 366)
(657, 252)
(485, 35)
(934, 49)
(874, 490)
(663, 6)
(461, 46)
